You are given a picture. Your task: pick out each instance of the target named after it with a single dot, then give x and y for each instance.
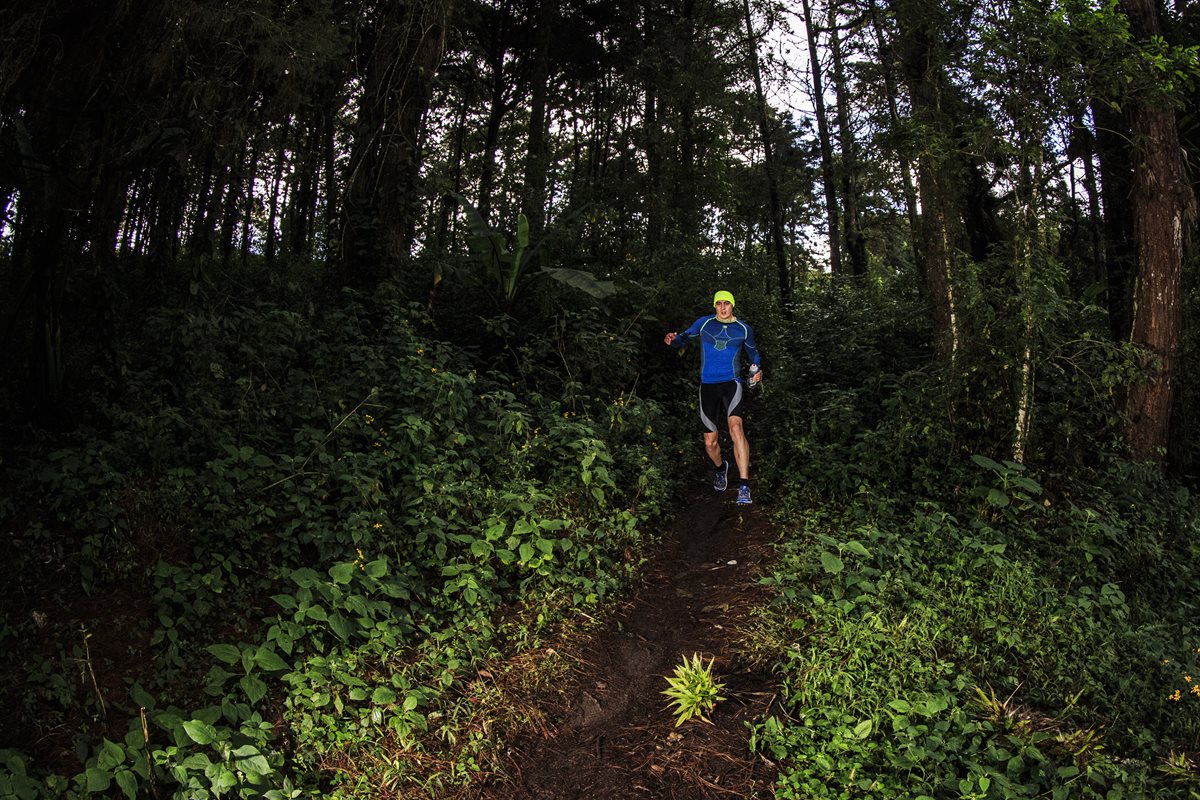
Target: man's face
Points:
(724, 310)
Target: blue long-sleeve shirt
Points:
(720, 343)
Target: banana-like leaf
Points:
(584, 281)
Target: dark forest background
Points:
(331, 368)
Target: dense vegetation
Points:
(333, 394)
(300, 536)
(949, 624)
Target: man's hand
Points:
(670, 337)
(755, 374)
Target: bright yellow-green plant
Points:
(692, 690)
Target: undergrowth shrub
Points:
(331, 522)
(948, 623)
(974, 650)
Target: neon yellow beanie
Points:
(726, 296)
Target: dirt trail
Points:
(615, 737)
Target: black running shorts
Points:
(718, 401)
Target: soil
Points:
(614, 735)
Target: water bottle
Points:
(753, 372)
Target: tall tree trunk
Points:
(827, 170)
(1117, 188)
(772, 169)
(46, 251)
(250, 204)
(924, 74)
(229, 215)
(305, 174)
(653, 138)
(856, 246)
(687, 210)
(1082, 146)
(1027, 244)
(332, 183)
(382, 188)
(1160, 196)
(200, 238)
(63, 126)
(533, 202)
(170, 195)
(446, 209)
(906, 168)
(276, 187)
(497, 107)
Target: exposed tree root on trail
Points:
(613, 735)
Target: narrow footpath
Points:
(615, 737)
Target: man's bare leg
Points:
(713, 447)
(741, 447)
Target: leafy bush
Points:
(332, 520)
(948, 623)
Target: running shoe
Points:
(744, 495)
(721, 477)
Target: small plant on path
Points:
(692, 690)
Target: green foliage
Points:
(692, 690)
(887, 639)
(951, 623)
(509, 268)
(336, 520)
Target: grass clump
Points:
(692, 690)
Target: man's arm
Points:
(751, 349)
(678, 340)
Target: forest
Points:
(334, 403)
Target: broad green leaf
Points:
(305, 578)
(987, 463)
(357, 604)
(200, 732)
(249, 759)
(98, 780)
(832, 564)
(377, 568)
(583, 281)
(254, 688)
(855, 546)
(340, 626)
(341, 573)
(383, 696)
(230, 654)
(222, 779)
(863, 729)
(997, 498)
(15, 764)
(128, 783)
(111, 755)
(1029, 485)
(254, 765)
(269, 660)
(937, 704)
(285, 601)
(141, 696)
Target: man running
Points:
(722, 338)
